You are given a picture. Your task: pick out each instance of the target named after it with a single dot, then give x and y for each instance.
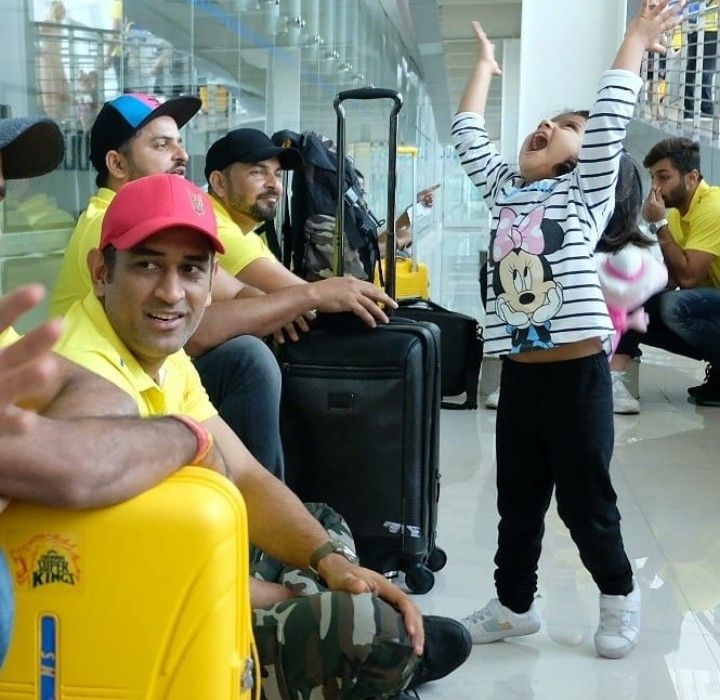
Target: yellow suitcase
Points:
(409, 283)
(412, 280)
(146, 600)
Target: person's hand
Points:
(26, 366)
(653, 206)
(340, 575)
(264, 594)
(351, 294)
(654, 19)
(294, 328)
(486, 49)
(426, 197)
(403, 237)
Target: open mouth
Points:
(537, 142)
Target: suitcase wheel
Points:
(437, 559)
(419, 579)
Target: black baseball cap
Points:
(248, 146)
(30, 146)
(121, 118)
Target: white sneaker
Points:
(492, 399)
(495, 622)
(623, 402)
(619, 626)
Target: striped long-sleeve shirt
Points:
(543, 288)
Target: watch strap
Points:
(330, 547)
(320, 553)
(655, 226)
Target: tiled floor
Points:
(666, 470)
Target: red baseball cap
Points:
(152, 204)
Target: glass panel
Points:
(269, 64)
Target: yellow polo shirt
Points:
(90, 341)
(8, 337)
(240, 248)
(699, 229)
(74, 282)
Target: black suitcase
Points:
(360, 416)
(462, 349)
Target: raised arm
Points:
(602, 144)
(478, 156)
(644, 32)
(474, 97)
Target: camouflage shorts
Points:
(325, 645)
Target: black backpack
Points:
(309, 225)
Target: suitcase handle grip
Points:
(370, 93)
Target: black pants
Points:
(555, 429)
(658, 335)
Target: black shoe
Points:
(447, 646)
(709, 390)
(706, 395)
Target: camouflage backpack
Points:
(309, 226)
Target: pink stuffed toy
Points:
(628, 278)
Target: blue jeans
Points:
(243, 380)
(658, 335)
(7, 606)
(694, 316)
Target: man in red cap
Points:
(83, 462)
(152, 275)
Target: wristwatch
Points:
(655, 226)
(331, 547)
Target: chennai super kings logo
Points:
(46, 559)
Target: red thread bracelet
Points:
(202, 435)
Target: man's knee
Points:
(674, 306)
(356, 642)
(253, 358)
(246, 361)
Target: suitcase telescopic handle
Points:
(368, 93)
(371, 93)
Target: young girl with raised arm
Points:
(546, 315)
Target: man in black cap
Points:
(244, 174)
